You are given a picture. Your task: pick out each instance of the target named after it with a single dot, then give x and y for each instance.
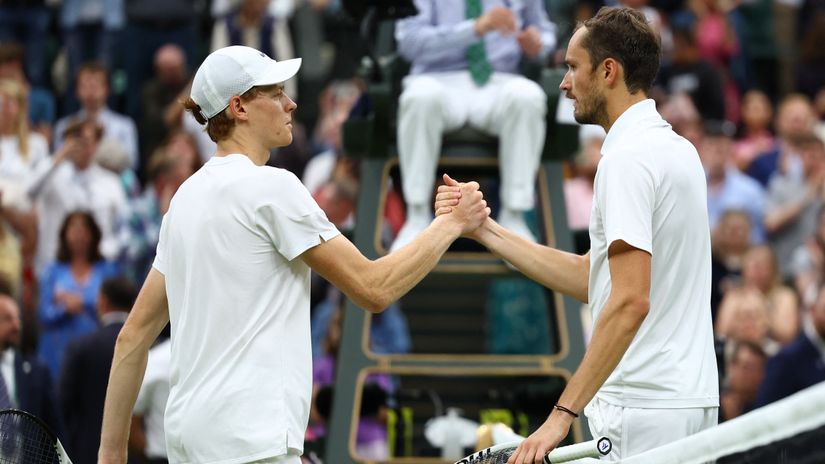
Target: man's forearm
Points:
(615, 329)
(561, 271)
(128, 367)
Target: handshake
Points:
(464, 204)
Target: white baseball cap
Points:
(231, 71)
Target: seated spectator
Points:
(464, 72)
(41, 104)
(755, 136)
(744, 316)
(254, 26)
(171, 76)
(744, 376)
(25, 380)
(92, 90)
(728, 188)
(139, 227)
(761, 272)
(689, 73)
(69, 288)
(730, 240)
(808, 263)
(795, 119)
(795, 196)
(578, 189)
(27, 22)
(79, 184)
(800, 364)
(85, 371)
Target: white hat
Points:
(231, 71)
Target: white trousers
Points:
(635, 430)
(509, 106)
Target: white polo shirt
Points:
(650, 192)
(241, 365)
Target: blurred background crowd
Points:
(93, 145)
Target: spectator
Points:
(744, 316)
(69, 288)
(27, 22)
(691, 74)
(755, 135)
(255, 26)
(26, 380)
(795, 118)
(717, 43)
(85, 372)
(464, 71)
(819, 109)
(41, 105)
(578, 190)
(90, 32)
(92, 90)
(800, 364)
(728, 188)
(795, 196)
(745, 372)
(147, 435)
(171, 76)
(730, 240)
(808, 263)
(80, 184)
(139, 228)
(761, 272)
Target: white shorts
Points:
(635, 430)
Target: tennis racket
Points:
(25, 439)
(499, 454)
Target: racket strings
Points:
(24, 441)
(495, 457)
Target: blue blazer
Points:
(35, 391)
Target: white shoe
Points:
(514, 222)
(410, 230)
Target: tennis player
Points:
(232, 275)
(649, 375)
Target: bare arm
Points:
(561, 271)
(373, 285)
(148, 317)
(623, 314)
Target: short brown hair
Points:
(94, 67)
(12, 52)
(219, 126)
(624, 35)
(76, 126)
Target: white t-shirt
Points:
(241, 368)
(650, 192)
(152, 398)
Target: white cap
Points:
(231, 71)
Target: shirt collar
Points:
(630, 118)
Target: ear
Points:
(237, 108)
(613, 72)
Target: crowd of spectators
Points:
(93, 145)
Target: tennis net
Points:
(790, 431)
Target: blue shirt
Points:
(738, 192)
(58, 326)
(436, 39)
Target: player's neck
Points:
(619, 103)
(239, 143)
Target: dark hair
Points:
(12, 52)
(94, 67)
(219, 126)
(120, 292)
(624, 35)
(64, 254)
(76, 126)
(749, 346)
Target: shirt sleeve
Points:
(625, 191)
(422, 40)
(160, 255)
(292, 220)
